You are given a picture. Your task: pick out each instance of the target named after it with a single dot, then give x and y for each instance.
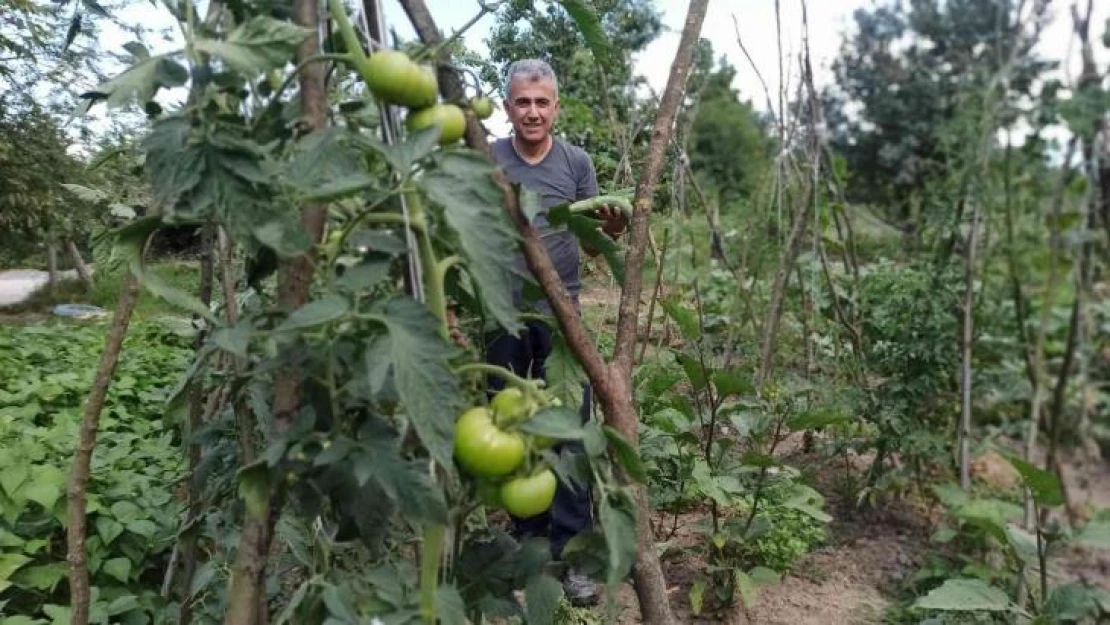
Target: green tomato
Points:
(482, 107)
(482, 448)
(510, 406)
(425, 87)
(450, 119)
(391, 76)
(526, 497)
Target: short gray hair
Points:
(531, 70)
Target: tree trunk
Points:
(968, 335)
(247, 595)
(650, 584)
(778, 290)
(52, 266)
(79, 264)
(79, 475)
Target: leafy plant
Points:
(134, 510)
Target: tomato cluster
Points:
(503, 460)
(394, 78)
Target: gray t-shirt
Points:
(566, 174)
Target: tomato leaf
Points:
(131, 241)
(565, 376)
(402, 156)
(462, 183)
(317, 312)
(257, 45)
(589, 24)
(542, 595)
(620, 537)
(140, 82)
(428, 388)
(555, 422)
(626, 454)
(450, 605)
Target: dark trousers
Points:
(571, 512)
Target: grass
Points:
(106, 290)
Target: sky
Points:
(753, 20)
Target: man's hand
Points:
(613, 222)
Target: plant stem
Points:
(77, 532)
(501, 372)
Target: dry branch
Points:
(76, 533)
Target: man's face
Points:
(532, 107)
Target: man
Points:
(559, 173)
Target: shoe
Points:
(580, 590)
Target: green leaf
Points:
(620, 537)
(234, 340)
(450, 606)
(140, 82)
(428, 388)
(317, 312)
(816, 419)
(131, 241)
(126, 512)
(965, 595)
(589, 233)
(565, 376)
(326, 164)
(683, 316)
(119, 568)
(1023, 543)
(43, 578)
(404, 482)
(10, 563)
(123, 604)
(557, 422)
(590, 26)
(143, 527)
(695, 373)
(990, 514)
(108, 528)
(463, 185)
(1072, 603)
(402, 156)
(626, 454)
(732, 383)
(749, 582)
(257, 45)
(46, 486)
(1044, 485)
(1096, 534)
(542, 596)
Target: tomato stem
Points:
(429, 570)
(526, 385)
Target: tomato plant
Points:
(389, 442)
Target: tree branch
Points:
(627, 319)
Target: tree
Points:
(728, 144)
(908, 70)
